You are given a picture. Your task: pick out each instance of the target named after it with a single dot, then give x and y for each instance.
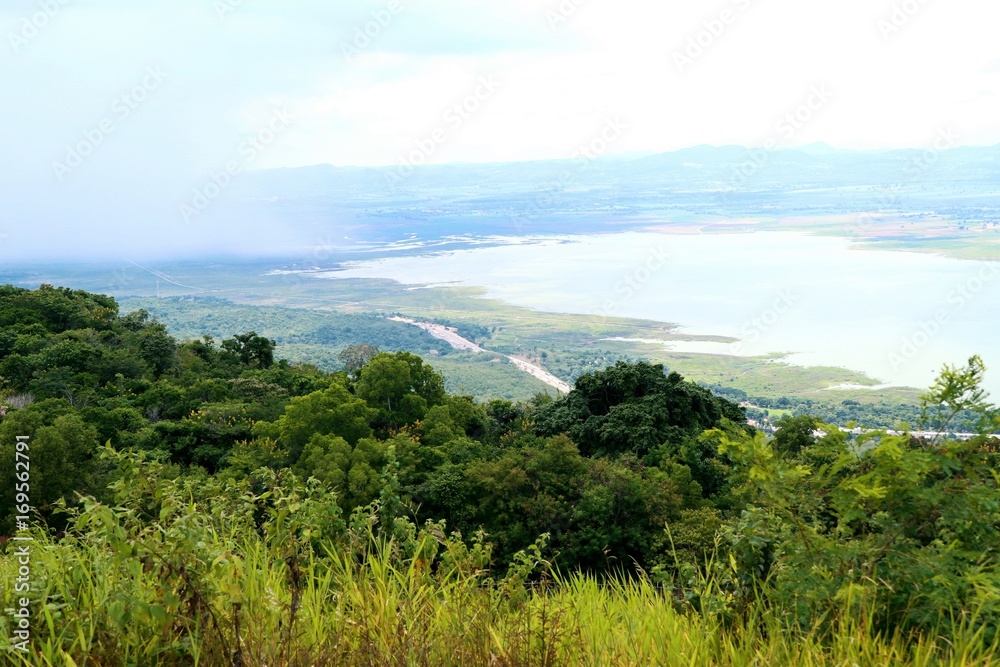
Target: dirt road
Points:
(451, 337)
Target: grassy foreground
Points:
(375, 613)
(201, 572)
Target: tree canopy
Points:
(635, 470)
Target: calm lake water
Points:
(896, 316)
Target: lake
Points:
(897, 316)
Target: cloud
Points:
(229, 70)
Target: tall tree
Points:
(401, 386)
(355, 357)
(251, 349)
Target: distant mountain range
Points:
(377, 204)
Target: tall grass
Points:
(373, 612)
(207, 572)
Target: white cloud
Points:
(608, 59)
(935, 70)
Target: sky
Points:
(116, 110)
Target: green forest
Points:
(565, 347)
(318, 337)
(201, 501)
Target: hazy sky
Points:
(162, 92)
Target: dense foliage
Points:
(866, 414)
(321, 338)
(601, 470)
(196, 570)
(908, 530)
(191, 480)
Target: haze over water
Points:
(897, 316)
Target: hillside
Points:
(211, 494)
